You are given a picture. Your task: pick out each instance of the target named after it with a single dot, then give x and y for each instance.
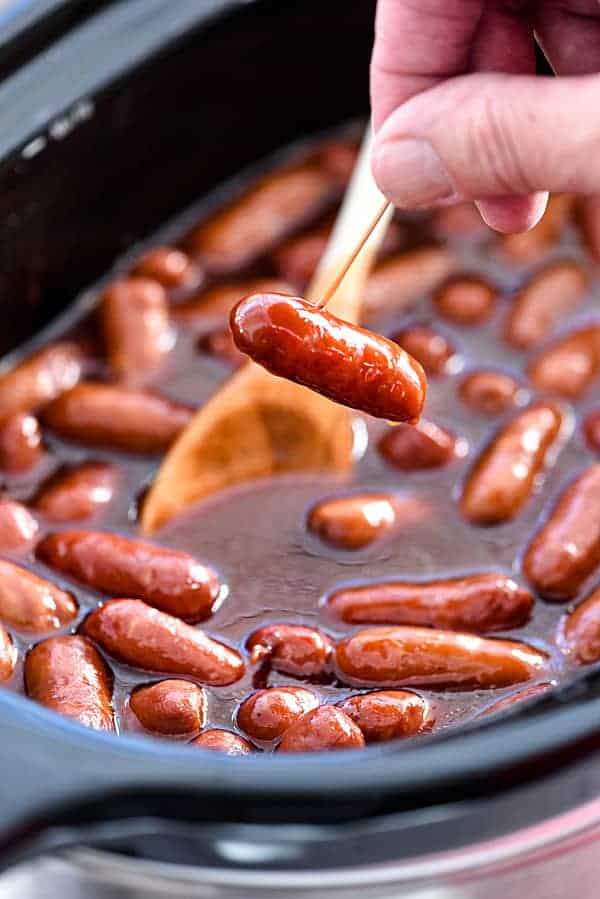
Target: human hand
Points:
(460, 115)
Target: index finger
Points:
(417, 44)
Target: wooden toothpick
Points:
(341, 273)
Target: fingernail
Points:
(411, 173)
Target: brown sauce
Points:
(271, 567)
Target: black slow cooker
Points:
(113, 117)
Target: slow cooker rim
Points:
(479, 752)
(482, 751)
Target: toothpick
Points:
(341, 274)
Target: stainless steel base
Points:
(558, 858)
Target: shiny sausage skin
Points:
(171, 707)
(267, 714)
(118, 418)
(505, 474)
(291, 649)
(569, 365)
(324, 729)
(21, 447)
(424, 445)
(388, 714)
(351, 522)
(69, 676)
(417, 656)
(253, 224)
(8, 655)
(548, 296)
(18, 527)
(78, 493)
(165, 578)
(211, 308)
(489, 392)
(401, 280)
(217, 740)
(170, 267)
(514, 699)
(427, 346)
(143, 637)
(465, 300)
(31, 603)
(591, 428)
(292, 339)
(38, 380)
(566, 550)
(478, 602)
(579, 632)
(135, 324)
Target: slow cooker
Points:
(114, 116)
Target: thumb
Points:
(495, 139)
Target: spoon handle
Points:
(341, 274)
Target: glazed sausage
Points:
(78, 493)
(566, 551)
(21, 447)
(514, 699)
(579, 632)
(428, 347)
(418, 656)
(8, 655)
(296, 260)
(18, 527)
(324, 729)
(109, 563)
(219, 343)
(253, 224)
(478, 602)
(528, 246)
(291, 649)
(465, 300)
(545, 299)
(293, 339)
(351, 522)
(505, 474)
(267, 714)
(69, 676)
(41, 378)
(591, 428)
(135, 324)
(489, 392)
(401, 280)
(170, 267)
(31, 603)
(424, 445)
(568, 367)
(217, 740)
(388, 714)
(143, 637)
(171, 707)
(211, 308)
(111, 416)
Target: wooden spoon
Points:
(257, 425)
